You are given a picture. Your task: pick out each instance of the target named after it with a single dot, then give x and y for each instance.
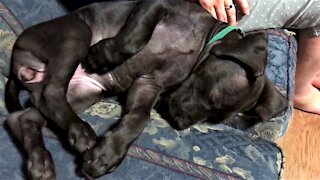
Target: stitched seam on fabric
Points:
(188, 163)
(291, 47)
(165, 166)
(288, 70)
(279, 34)
(288, 40)
(12, 15)
(9, 12)
(8, 25)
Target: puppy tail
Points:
(12, 91)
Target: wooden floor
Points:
(301, 146)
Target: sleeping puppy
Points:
(196, 81)
(230, 79)
(169, 39)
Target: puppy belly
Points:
(82, 85)
(80, 76)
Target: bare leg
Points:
(307, 95)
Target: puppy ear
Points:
(270, 103)
(251, 50)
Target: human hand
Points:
(224, 10)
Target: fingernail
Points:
(224, 19)
(213, 12)
(214, 15)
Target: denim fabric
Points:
(9, 28)
(31, 12)
(203, 151)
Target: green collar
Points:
(223, 33)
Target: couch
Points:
(204, 151)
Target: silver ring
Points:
(229, 7)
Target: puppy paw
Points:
(81, 136)
(102, 158)
(40, 165)
(103, 57)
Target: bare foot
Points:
(310, 101)
(307, 80)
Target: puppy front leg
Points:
(26, 126)
(110, 151)
(123, 76)
(133, 36)
(139, 27)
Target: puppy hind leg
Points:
(13, 122)
(26, 126)
(53, 102)
(110, 151)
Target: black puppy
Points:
(196, 81)
(180, 33)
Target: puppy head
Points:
(229, 80)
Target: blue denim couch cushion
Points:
(9, 29)
(281, 71)
(202, 152)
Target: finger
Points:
(231, 12)
(213, 12)
(220, 11)
(231, 15)
(207, 4)
(244, 6)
